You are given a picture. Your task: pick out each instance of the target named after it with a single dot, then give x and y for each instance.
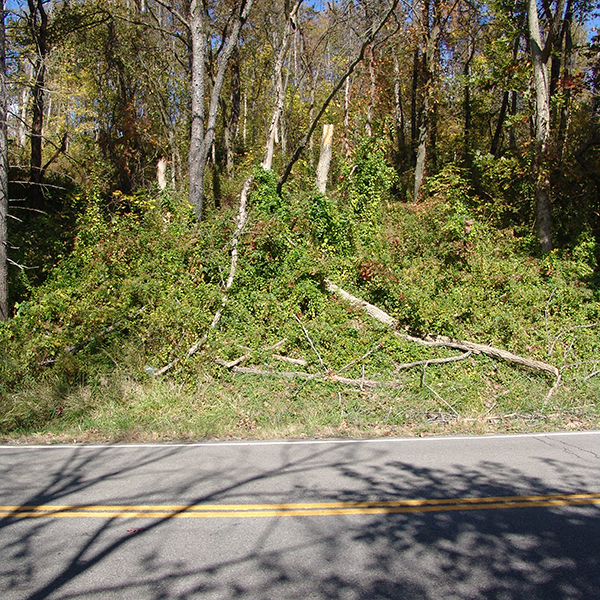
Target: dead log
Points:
(440, 341)
(330, 376)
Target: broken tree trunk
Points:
(324, 158)
(440, 340)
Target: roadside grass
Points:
(477, 395)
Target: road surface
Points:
(500, 517)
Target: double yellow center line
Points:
(304, 509)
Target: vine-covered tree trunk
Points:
(3, 178)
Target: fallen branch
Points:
(241, 224)
(330, 376)
(424, 383)
(311, 343)
(233, 363)
(432, 361)
(295, 361)
(440, 341)
(288, 374)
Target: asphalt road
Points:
(495, 517)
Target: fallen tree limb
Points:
(315, 376)
(288, 374)
(242, 218)
(233, 363)
(295, 361)
(432, 361)
(440, 341)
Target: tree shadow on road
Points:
(508, 553)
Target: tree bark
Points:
(39, 31)
(198, 51)
(540, 54)
(324, 158)
(399, 113)
(432, 36)
(203, 124)
(3, 177)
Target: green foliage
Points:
(369, 178)
(331, 229)
(265, 197)
(143, 283)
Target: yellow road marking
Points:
(298, 509)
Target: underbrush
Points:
(141, 286)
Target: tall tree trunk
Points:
(198, 51)
(566, 76)
(399, 113)
(372, 92)
(512, 138)
(291, 15)
(347, 117)
(22, 124)
(414, 112)
(541, 80)
(3, 177)
(231, 123)
(203, 124)
(39, 30)
(467, 104)
(495, 147)
(432, 35)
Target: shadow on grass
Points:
(528, 553)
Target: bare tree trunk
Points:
(347, 117)
(22, 125)
(504, 107)
(231, 126)
(467, 103)
(414, 111)
(399, 112)
(324, 158)
(198, 51)
(372, 91)
(495, 147)
(3, 177)
(568, 63)
(431, 42)
(267, 162)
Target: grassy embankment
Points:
(142, 284)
